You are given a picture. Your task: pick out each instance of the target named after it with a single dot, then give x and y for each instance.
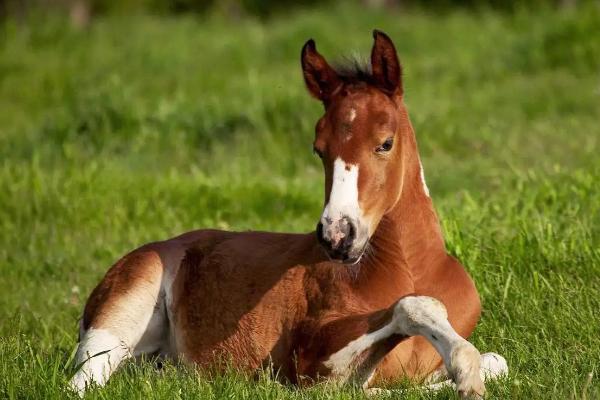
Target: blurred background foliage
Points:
(81, 11)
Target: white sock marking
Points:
(340, 362)
(100, 353)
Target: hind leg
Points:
(99, 353)
(124, 317)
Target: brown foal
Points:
(371, 296)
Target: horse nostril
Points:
(349, 231)
(320, 236)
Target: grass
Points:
(141, 128)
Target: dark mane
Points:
(353, 70)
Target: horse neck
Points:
(408, 241)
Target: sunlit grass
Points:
(142, 128)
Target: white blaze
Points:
(343, 199)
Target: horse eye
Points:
(385, 146)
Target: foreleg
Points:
(411, 316)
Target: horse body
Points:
(256, 298)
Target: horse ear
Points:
(321, 80)
(385, 66)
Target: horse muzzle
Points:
(341, 240)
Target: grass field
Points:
(142, 128)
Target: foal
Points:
(371, 297)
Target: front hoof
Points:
(464, 370)
(493, 366)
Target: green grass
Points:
(142, 128)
